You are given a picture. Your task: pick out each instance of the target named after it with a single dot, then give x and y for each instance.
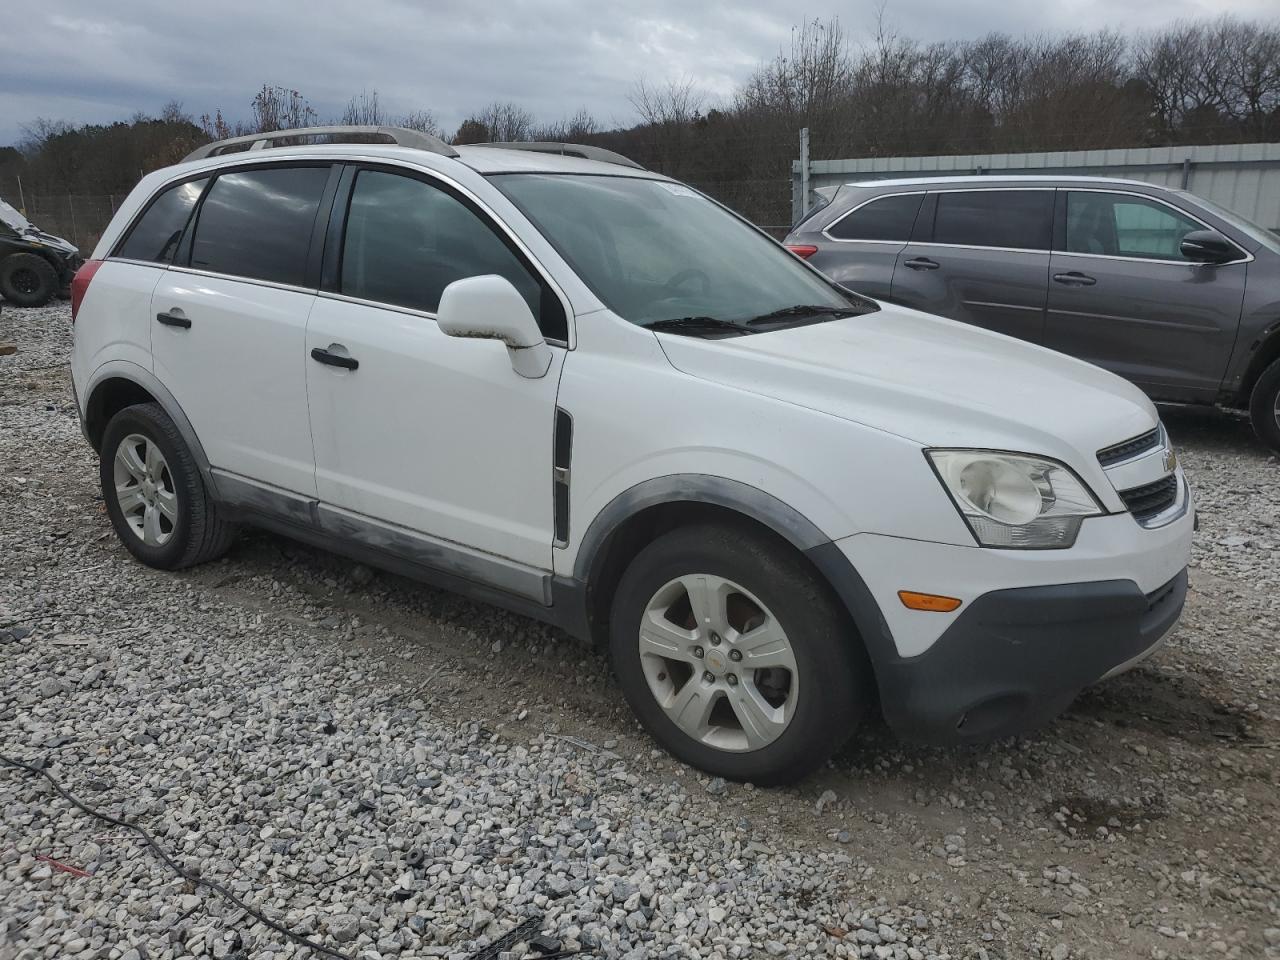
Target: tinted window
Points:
(1020, 219)
(1120, 225)
(889, 218)
(258, 223)
(407, 240)
(156, 235)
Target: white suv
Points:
(590, 394)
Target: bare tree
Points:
(364, 110)
(280, 108)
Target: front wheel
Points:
(154, 493)
(735, 656)
(1264, 407)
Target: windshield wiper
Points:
(805, 310)
(694, 324)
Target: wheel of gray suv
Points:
(735, 656)
(154, 493)
(1264, 407)
(27, 280)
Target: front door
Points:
(429, 435)
(1123, 296)
(229, 322)
(981, 257)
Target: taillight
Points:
(80, 284)
(802, 250)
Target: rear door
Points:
(1122, 295)
(858, 250)
(981, 257)
(229, 321)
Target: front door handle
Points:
(921, 263)
(334, 359)
(173, 320)
(1074, 279)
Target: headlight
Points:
(1014, 500)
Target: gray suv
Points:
(1159, 286)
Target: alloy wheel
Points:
(718, 663)
(145, 491)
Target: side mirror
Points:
(1207, 246)
(490, 308)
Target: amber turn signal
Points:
(928, 601)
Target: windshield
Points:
(1247, 227)
(656, 251)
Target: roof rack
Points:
(400, 136)
(580, 150)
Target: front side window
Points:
(406, 240)
(653, 250)
(156, 234)
(1121, 225)
(1013, 219)
(889, 218)
(258, 223)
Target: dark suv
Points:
(34, 266)
(1162, 287)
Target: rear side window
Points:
(258, 223)
(889, 218)
(1120, 225)
(1017, 219)
(406, 240)
(156, 234)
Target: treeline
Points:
(1194, 82)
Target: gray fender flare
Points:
(779, 517)
(127, 370)
(765, 508)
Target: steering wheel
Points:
(684, 276)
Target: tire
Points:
(155, 496)
(1264, 407)
(27, 280)
(768, 588)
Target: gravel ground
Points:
(395, 771)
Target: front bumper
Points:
(1035, 626)
(1017, 658)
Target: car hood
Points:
(931, 380)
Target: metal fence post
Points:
(804, 171)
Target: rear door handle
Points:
(334, 359)
(1074, 279)
(921, 263)
(173, 320)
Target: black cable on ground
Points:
(174, 866)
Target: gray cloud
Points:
(86, 61)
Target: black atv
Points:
(34, 266)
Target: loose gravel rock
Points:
(398, 772)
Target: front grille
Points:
(1150, 499)
(1109, 456)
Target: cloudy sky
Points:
(95, 61)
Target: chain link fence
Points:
(79, 218)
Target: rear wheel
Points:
(1264, 407)
(27, 280)
(735, 656)
(154, 493)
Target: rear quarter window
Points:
(886, 218)
(156, 233)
